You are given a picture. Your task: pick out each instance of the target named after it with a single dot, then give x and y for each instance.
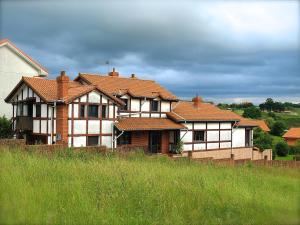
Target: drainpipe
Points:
(232, 131)
(186, 130)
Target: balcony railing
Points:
(24, 123)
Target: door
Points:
(247, 137)
(155, 141)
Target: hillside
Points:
(137, 189)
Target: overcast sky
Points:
(223, 51)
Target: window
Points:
(199, 135)
(124, 139)
(93, 111)
(154, 106)
(82, 111)
(38, 111)
(125, 107)
(93, 140)
(104, 111)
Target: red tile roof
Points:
(47, 89)
(186, 111)
(255, 123)
(7, 41)
(116, 85)
(293, 132)
(130, 124)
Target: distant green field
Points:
(92, 189)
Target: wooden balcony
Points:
(24, 123)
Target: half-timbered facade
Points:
(116, 111)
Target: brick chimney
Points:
(113, 73)
(197, 101)
(62, 109)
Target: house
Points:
(116, 111)
(14, 64)
(292, 135)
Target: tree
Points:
(5, 129)
(252, 112)
(295, 149)
(282, 148)
(269, 104)
(261, 139)
(278, 128)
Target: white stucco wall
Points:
(13, 67)
(238, 137)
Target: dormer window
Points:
(125, 107)
(154, 106)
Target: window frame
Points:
(104, 113)
(89, 111)
(88, 141)
(36, 110)
(151, 105)
(84, 111)
(195, 135)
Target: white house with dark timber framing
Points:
(114, 111)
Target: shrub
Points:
(5, 128)
(252, 112)
(261, 139)
(278, 128)
(295, 149)
(178, 148)
(282, 149)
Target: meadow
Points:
(90, 188)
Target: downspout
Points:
(232, 131)
(186, 130)
(52, 122)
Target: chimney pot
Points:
(63, 73)
(197, 101)
(113, 73)
(133, 75)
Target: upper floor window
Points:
(125, 107)
(38, 111)
(199, 135)
(104, 111)
(93, 111)
(154, 106)
(82, 111)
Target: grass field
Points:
(92, 189)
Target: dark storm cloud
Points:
(215, 50)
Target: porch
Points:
(156, 135)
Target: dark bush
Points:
(5, 128)
(295, 149)
(252, 112)
(282, 149)
(278, 128)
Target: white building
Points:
(14, 64)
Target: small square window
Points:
(93, 111)
(199, 135)
(154, 106)
(38, 111)
(93, 140)
(104, 111)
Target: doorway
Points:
(155, 141)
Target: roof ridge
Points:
(119, 77)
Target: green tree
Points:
(295, 149)
(269, 104)
(252, 112)
(282, 148)
(261, 139)
(5, 128)
(278, 128)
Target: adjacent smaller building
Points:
(292, 135)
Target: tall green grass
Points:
(87, 188)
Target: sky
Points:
(224, 51)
